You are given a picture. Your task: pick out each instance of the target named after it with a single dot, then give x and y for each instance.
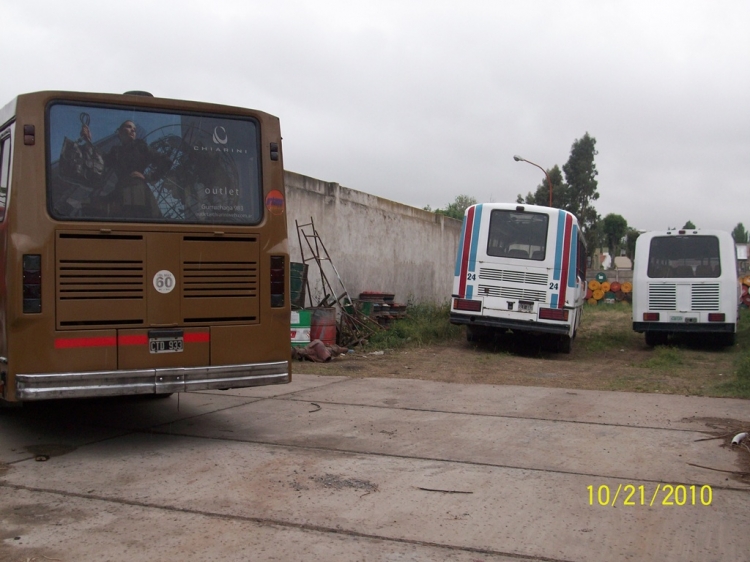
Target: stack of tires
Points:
(745, 296)
(602, 291)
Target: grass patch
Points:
(740, 386)
(665, 358)
(425, 324)
(606, 327)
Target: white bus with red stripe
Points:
(520, 268)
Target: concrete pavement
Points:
(332, 468)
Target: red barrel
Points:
(323, 325)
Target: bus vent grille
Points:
(509, 276)
(705, 297)
(99, 279)
(515, 293)
(206, 279)
(662, 297)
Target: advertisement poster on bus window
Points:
(114, 164)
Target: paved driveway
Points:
(332, 468)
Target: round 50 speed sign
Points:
(164, 281)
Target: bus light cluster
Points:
(32, 283)
(559, 314)
(466, 304)
(278, 281)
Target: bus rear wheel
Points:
(656, 338)
(729, 339)
(564, 344)
(475, 334)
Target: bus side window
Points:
(4, 173)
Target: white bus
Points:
(685, 281)
(519, 268)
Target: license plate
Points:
(165, 345)
(675, 318)
(525, 307)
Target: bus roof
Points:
(8, 112)
(520, 207)
(684, 232)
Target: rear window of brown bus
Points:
(118, 164)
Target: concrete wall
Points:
(375, 244)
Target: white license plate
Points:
(165, 345)
(675, 318)
(525, 307)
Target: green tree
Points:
(614, 228)
(541, 195)
(740, 234)
(580, 174)
(630, 239)
(689, 226)
(577, 191)
(457, 209)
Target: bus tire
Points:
(729, 339)
(656, 338)
(476, 334)
(564, 344)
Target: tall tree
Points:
(740, 234)
(457, 209)
(614, 228)
(689, 225)
(580, 175)
(541, 195)
(630, 239)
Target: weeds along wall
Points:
(375, 244)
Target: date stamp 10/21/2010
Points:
(630, 495)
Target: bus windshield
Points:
(684, 256)
(517, 234)
(121, 164)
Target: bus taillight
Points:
(716, 317)
(466, 304)
(560, 314)
(650, 316)
(32, 283)
(278, 281)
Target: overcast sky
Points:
(420, 101)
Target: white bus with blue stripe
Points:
(520, 268)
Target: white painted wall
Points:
(375, 244)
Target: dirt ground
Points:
(607, 355)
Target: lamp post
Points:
(549, 181)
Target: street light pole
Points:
(549, 181)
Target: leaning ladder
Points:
(354, 328)
(317, 252)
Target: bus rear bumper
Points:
(684, 327)
(48, 386)
(509, 324)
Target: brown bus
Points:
(143, 247)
